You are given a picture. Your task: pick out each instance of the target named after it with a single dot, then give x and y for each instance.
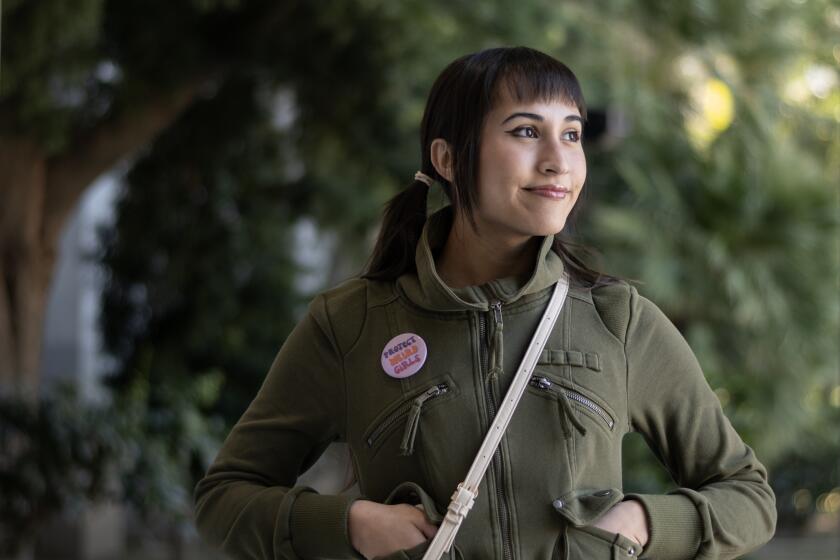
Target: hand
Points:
(629, 519)
(379, 529)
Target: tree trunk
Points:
(26, 260)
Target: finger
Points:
(405, 537)
(420, 537)
(427, 529)
(424, 525)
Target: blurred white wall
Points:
(71, 348)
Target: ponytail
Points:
(402, 225)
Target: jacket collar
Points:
(426, 289)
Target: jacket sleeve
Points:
(724, 506)
(247, 504)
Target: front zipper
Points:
(403, 411)
(504, 511)
(545, 384)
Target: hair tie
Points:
(420, 176)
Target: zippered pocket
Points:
(543, 383)
(407, 414)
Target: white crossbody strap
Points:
(464, 496)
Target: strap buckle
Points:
(461, 503)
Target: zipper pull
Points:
(568, 415)
(540, 383)
(496, 306)
(496, 363)
(413, 420)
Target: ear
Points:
(441, 155)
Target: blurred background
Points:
(177, 179)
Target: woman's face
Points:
(531, 168)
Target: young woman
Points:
(407, 364)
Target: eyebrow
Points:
(537, 117)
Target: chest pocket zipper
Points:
(564, 395)
(409, 412)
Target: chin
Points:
(528, 225)
(549, 228)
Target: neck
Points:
(470, 259)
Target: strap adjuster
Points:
(461, 503)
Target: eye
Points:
(572, 135)
(525, 132)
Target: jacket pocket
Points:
(580, 540)
(417, 552)
(412, 493)
(593, 543)
(541, 383)
(405, 415)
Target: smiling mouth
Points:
(550, 191)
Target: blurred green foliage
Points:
(202, 276)
(713, 179)
(55, 457)
(62, 453)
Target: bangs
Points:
(532, 77)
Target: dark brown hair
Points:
(455, 111)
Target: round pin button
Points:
(404, 355)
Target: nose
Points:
(553, 160)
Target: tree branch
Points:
(98, 150)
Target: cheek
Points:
(498, 182)
(505, 158)
(498, 158)
(510, 165)
(580, 166)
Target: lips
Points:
(550, 191)
(552, 188)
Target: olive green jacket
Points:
(613, 364)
